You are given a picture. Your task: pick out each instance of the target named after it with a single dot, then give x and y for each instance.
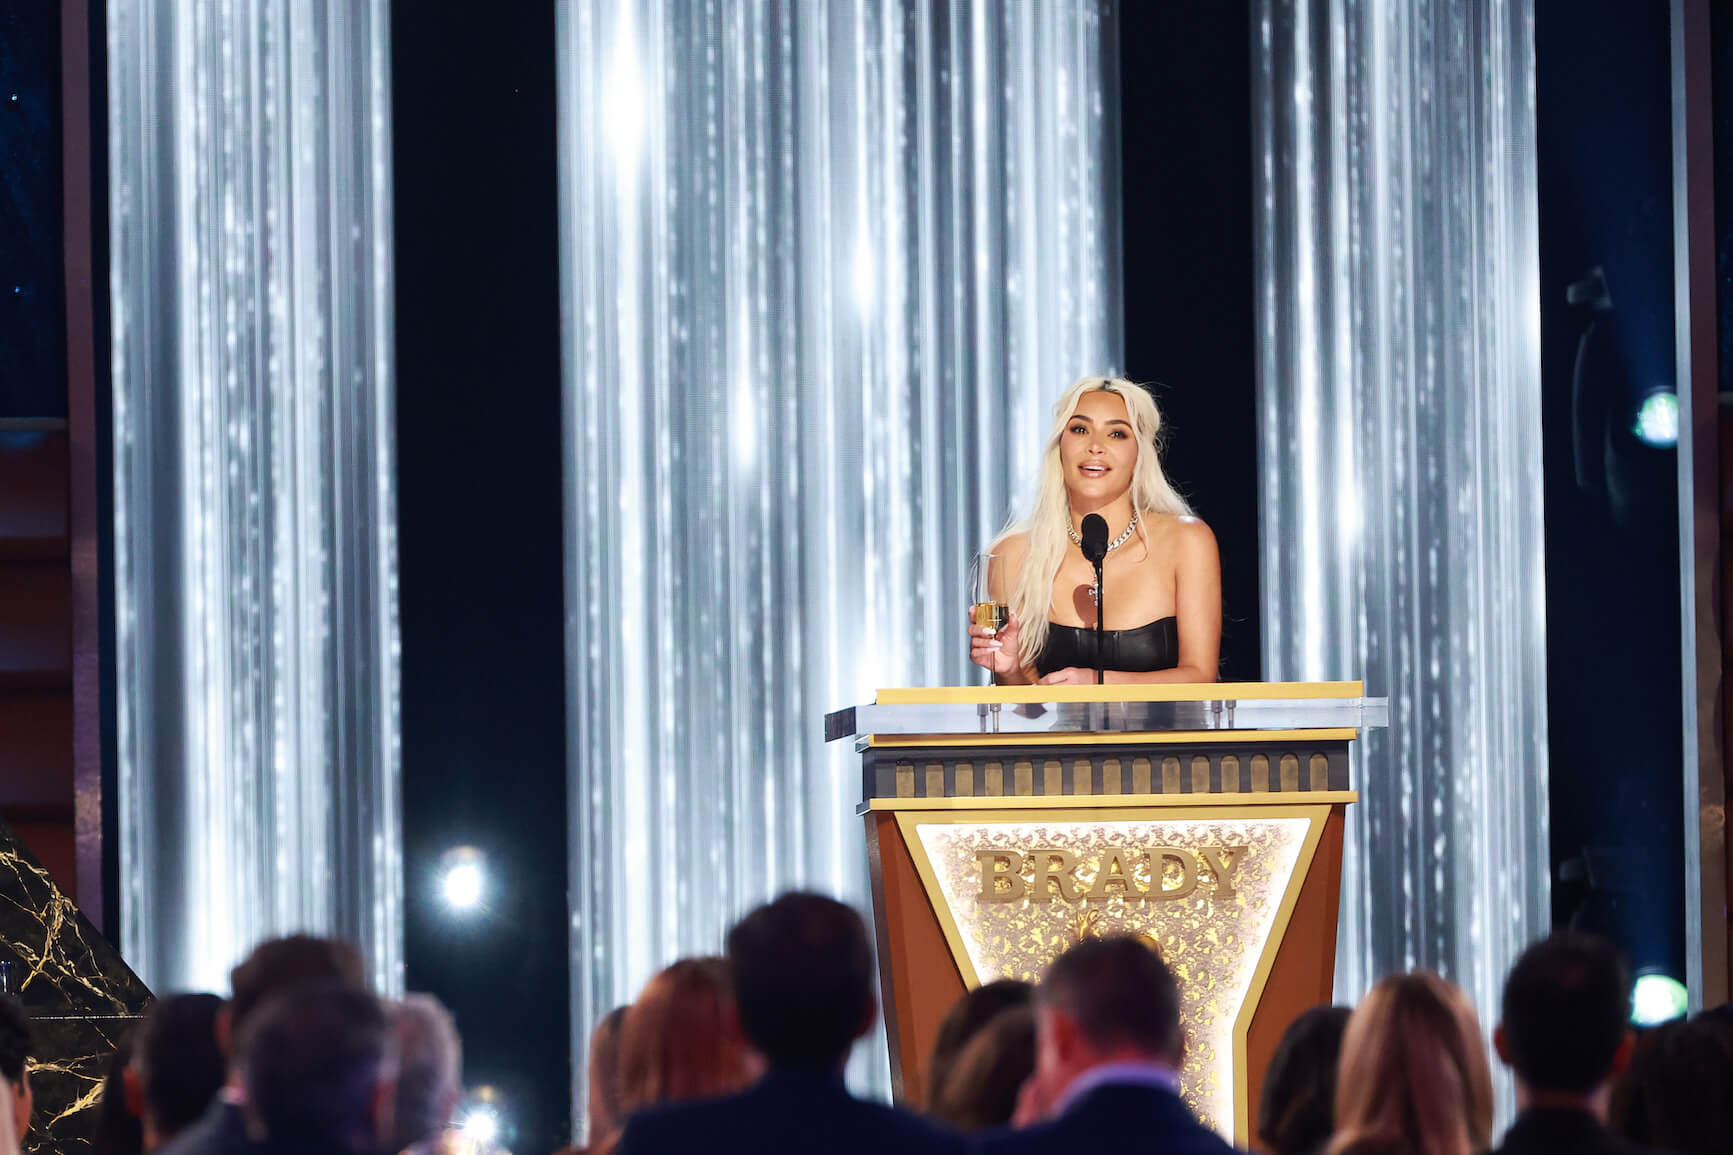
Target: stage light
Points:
(481, 1126)
(1657, 422)
(463, 878)
(1657, 998)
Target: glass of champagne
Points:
(984, 608)
(987, 610)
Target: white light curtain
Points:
(827, 265)
(1399, 369)
(255, 562)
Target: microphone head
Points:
(1094, 534)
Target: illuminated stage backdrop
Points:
(827, 264)
(256, 579)
(1399, 366)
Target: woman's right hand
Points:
(996, 651)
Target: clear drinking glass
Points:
(984, 609)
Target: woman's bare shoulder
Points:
(1012, 546)
(1180, 529)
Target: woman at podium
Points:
(1160, 594)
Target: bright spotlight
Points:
(1657, 998)
(481, 1126)
(1657, 421)
(463, 878)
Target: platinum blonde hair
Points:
(1049, 522)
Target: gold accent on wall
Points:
(1140, 776)
(965, 779)
(1111, 782)
(1319, 767)
(1170, 775)
(1290, 772)
(935, 780)
(1260, 773)
(1230, 772)
(995, 779)
(1052, 777)
(1199, 774)
(1023, 779)
(905, 779)
(1082, 777)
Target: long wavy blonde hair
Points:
(1413, 1076)
(1049, 522)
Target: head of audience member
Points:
(605, 1116)
(177, 1067)
(282, 963)
(1414, 1076)
(1297, 1108)
(317, 1067)
(983, 1081)
(15, 1046)
(1562, 1024)
(429, 1069)
(118, 1130)
(1106, 1000)
(681, 1039)
(1677, 1094)
(966, 1017)
(803, 981)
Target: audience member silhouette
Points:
(429, 1070)
(274, 966)
(16, 1042)
(1108, 1052)
(315, 1065)
(1677, 1094)
(984, 1079)
(1414, 1078)
(177, 1068)
(802, 974)
(1297, 1108)
(966, 1017)
(1563, 1033)
(118, 1129)
(681, 1039)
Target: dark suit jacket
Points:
(1122, 1118)
(1559, 1131)
(786, 1111)
(221, 1130)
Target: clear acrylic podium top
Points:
(1216, 706)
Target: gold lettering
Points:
(1055, 866)
(1107, 875)
(1000, 867)
(1223, 861)
(1159, 857)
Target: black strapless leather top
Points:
(1151, 647)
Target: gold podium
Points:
(1004, 824)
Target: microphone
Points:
(1094, 535)
(1094, 539)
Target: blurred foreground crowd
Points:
(746, 1054)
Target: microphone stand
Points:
(1100, 638)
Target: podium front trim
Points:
(983, 804)
(911, 814)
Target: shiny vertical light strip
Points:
(826, 265)
(256, 569)
(1399, 371)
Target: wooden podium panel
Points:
(993, 853)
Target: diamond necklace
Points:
(1130, 528)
